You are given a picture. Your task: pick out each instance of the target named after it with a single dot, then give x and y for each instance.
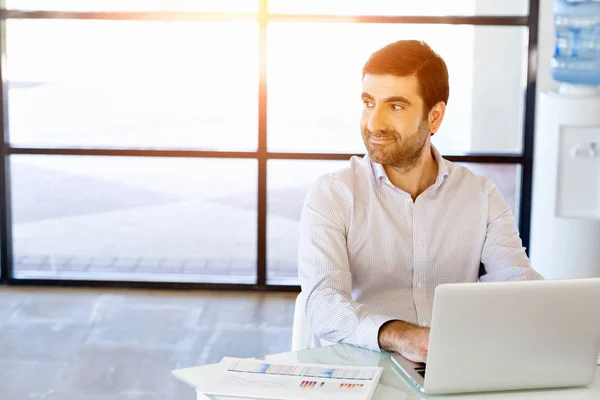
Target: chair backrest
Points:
(301, 332)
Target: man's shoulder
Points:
(336, 190)
(356, 169)
(469, 178)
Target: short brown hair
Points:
(413, 57)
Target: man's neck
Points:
(417, 179)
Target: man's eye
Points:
(368, 103)
(397, 107)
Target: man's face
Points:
(393, 126)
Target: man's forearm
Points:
(410, 340)
(392, 333)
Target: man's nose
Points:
(377, 121)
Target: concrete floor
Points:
(92, 344)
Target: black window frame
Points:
(262, 155)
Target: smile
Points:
(380, 140)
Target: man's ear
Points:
(436, 116)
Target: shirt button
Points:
(419, 286)
(424, 322)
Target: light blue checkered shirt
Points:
(368, 254)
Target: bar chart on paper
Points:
(253, 378)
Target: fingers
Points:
(416, 348)
(423, 355)
(416, 355)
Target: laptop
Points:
(510, 336)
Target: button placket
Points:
(417, 247)
(420, 259)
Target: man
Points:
(377, 237)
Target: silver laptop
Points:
(510, 336)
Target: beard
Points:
(401, 153)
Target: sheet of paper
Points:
(255, 378)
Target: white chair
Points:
(301, 332)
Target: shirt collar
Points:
(443, 173)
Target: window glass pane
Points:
(507, 178)
(135, 5)
(288, 184)
(127, 218)
(133, 84)
(403, 7)
(314, 84)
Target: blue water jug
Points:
(576, 57)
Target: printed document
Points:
(293, 381)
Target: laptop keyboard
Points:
(421, 370)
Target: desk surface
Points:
(394, 386)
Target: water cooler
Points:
(565, 220)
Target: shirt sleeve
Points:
(324, 270)
(503, 254)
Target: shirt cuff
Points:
(367, 333)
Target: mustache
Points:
(380, 134)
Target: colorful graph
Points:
(351, 385)
(311, 384)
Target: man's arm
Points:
(324, 273)
(324, 270)
(503, 254)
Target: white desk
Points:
(393, 386)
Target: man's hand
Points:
(409, 340)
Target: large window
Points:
(172, 142)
